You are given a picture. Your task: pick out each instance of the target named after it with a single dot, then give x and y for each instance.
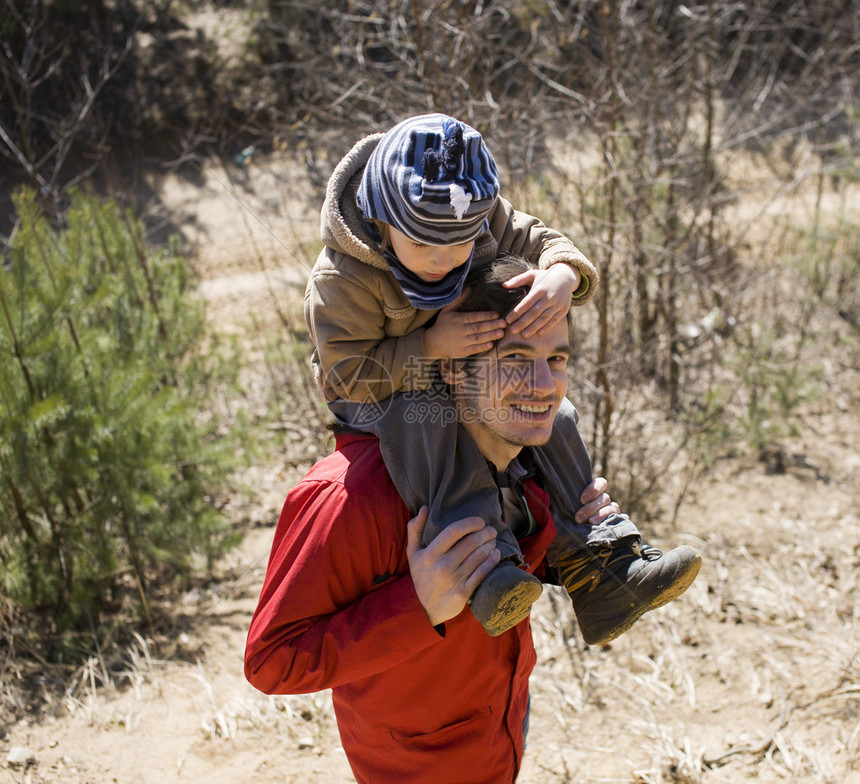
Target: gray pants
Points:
(433, 461)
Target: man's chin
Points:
(528, 439)
(531, 432)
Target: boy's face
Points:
(431, 263)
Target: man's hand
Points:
(596, 503)
(447, 571)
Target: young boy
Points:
(406, 215)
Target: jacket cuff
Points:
(588, 277)
(582, 289)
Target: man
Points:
(352, 601)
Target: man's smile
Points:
(536, 412)
(532, 409)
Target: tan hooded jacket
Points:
(369, 339)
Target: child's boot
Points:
(613, 588)
(504, 598)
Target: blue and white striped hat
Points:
(432, 178)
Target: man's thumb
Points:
(415, 530)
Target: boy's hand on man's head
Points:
(455, 335)
(546, 303)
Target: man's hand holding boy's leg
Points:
(447, 571)
(596, 503)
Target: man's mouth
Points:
(533, 408)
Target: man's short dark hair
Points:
(486, 291)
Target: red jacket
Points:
(338, 610)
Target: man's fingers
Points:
(595, 489)
(447, 571)
(606, 511)
(478, 565)
(599, 509)
(460, 553)
(592, 508)
(462, 546)
(415, 530)
(451, 535)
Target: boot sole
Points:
(514, 605)
(683, 581)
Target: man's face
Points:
(511, 394)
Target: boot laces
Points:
(588, 567)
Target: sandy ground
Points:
(753, 675)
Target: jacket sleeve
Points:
(523, 234)
(355, 359)
(320, 621)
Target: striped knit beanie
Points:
(432, 178)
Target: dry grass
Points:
(753, 675)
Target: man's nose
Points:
(542, 380)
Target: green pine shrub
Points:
(108, 454)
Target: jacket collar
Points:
(342, 226)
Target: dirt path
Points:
(754, 675)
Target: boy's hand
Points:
(546, 303)
(447, 571)
(455, 335)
